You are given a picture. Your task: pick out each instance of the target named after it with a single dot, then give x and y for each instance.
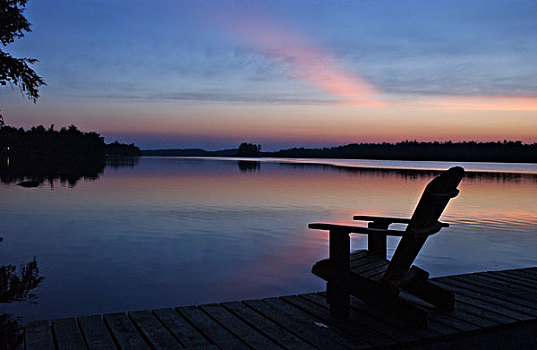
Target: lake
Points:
(175, 231)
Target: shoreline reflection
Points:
(249, 166)
(35, 171)
(16, 285)
(409, 173)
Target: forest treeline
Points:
(469, 151)
(68, 155)
(68, 143)
(506, 151)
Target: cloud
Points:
(220, 97)
(303, 60)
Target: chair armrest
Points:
(344, 229)
(383, 219)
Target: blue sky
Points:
(282, 73)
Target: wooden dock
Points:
(493, 310)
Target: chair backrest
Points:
(424, 221)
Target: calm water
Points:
(176, 231)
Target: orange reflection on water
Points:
(500, 201)
(283, 187)
(335, 194)
(218, 230)
(325, 194)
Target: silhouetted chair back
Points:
(369, 276)
(424, 221)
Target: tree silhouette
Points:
(16, 71)
(467, 151)
(40, 154)
(16, 286)
(248, 150)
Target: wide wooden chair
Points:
(368, 275)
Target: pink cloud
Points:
(304, 61)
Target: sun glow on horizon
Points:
(483, 103)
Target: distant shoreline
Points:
(492, 152)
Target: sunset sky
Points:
(212, 74)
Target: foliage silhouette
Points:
(40, 154)
(15, 286)
(120, 149)
(470, 151)
(248, 150)
(16, 71)
(506, 151)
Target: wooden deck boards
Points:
(493, 310)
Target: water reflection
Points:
(248, 166)
(16, 285)
(117, 162)
(33, 172)
(176, 231)
(411, 174)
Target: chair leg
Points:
(337, 288)
(339, 300)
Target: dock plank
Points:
(305, 330)
(489, 318)
(369, 321)
(458, 319)
(38, 336)
(490, 292)
(303, 325)
(512, 279)
(124, 332)
(521, 275)
(357, 328)
(183, 331)
(67, 334)
(490, 307)
(503, 290)
(220, 336)
(367, 315)
(516, 311)
(239, 328)
(95, 333)
(356, 260)
(155, 333)
(508, 283)
(277, 333)
(529, 273)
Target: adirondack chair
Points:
(367, 274)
